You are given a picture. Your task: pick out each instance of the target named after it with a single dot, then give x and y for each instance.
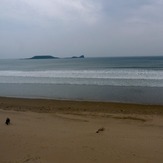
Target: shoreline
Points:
(52, 105)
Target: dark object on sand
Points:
(7, 121)
(100, 129)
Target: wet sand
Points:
(66, 131)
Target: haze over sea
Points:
(121, 79)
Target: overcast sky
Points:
(81, 27)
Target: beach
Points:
(43, 130)
(81, 81)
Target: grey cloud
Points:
(41, 10)
(92, 27)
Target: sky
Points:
(92, 28)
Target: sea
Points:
(118, 79)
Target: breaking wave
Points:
(117, 77)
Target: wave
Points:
(111, 77)
(89, 74)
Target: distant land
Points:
(43, 57)
(82, 56)
(52, 57)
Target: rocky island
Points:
(43, 57)
(82, 56)
(52, 57)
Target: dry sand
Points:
(49, 131)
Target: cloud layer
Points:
(64, 10)
(74, 27)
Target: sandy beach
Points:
(48, 131)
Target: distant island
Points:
(43, 57)
(52, 57)
(82, 56)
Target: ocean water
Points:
(125, 79)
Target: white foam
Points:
(89, 74)
(113, 77)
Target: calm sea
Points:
(132, 80)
